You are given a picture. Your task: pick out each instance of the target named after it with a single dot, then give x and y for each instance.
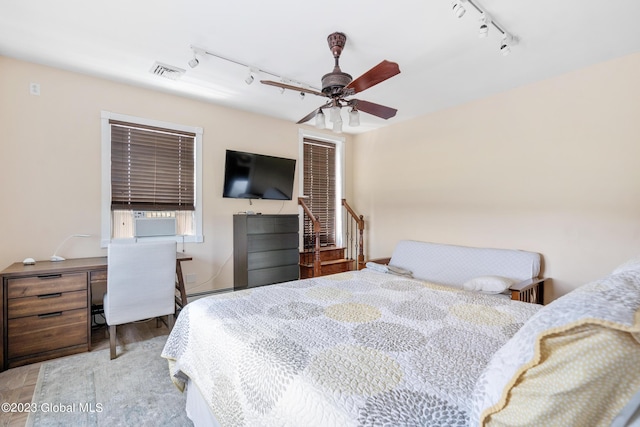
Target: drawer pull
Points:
(47, 315)
(54, 295)
(49, 276)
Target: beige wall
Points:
(50, 171)
(551, 167)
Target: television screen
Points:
(256, 176)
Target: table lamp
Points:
(56, 257)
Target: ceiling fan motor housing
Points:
(334, 82)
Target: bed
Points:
(368, 348)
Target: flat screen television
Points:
(257, 176)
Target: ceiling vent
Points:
(167, 71)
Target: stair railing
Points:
(354, 233)
(316, 231)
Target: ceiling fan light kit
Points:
(507, 40)
(320, 122)
(354, 118)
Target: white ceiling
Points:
(442, 60)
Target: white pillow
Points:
(399, 270)
(488, 284)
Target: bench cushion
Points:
(454, 265)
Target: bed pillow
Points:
(489, 284)
(385, 268)
(575, 362)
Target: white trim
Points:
(105, 220)
(339, 141)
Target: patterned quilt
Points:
(353, 349)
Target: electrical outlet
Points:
(191, 278)
(34, 88)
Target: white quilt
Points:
(353, 349)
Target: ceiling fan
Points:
(337, 86)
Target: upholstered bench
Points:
(470, 268)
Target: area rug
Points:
(88, 389)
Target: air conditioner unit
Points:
(150, 227)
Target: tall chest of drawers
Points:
(265, 250)
(46, 310)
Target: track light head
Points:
(458, 8)
(249, 79)
(483, 31)
(505, 44)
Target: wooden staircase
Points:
(319, 260)
(332, 260)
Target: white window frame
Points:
(340, 171)
(105, 223)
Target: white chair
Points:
(140, 284)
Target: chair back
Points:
(140, 281)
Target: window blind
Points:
(320, 188)
(151, 168)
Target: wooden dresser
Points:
(46, 309)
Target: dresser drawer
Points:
(98, 276)
(257, 260)
(35, 334)
(266, 276)
(45, 284)
(47, 303)
(271, 242)
(261, 224)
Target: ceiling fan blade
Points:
(291, 87)
(312, 114)
(374, 109)
(309, 116)
(377, 74)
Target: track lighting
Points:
(485, 21)
(253, 70)
(458, 8)
(193, 63)
(320, 122)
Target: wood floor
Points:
(17, 384)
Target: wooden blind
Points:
(151, 168)
(320, 188)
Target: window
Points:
(150, 179)
(322, 187)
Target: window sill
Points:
(179, 239)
